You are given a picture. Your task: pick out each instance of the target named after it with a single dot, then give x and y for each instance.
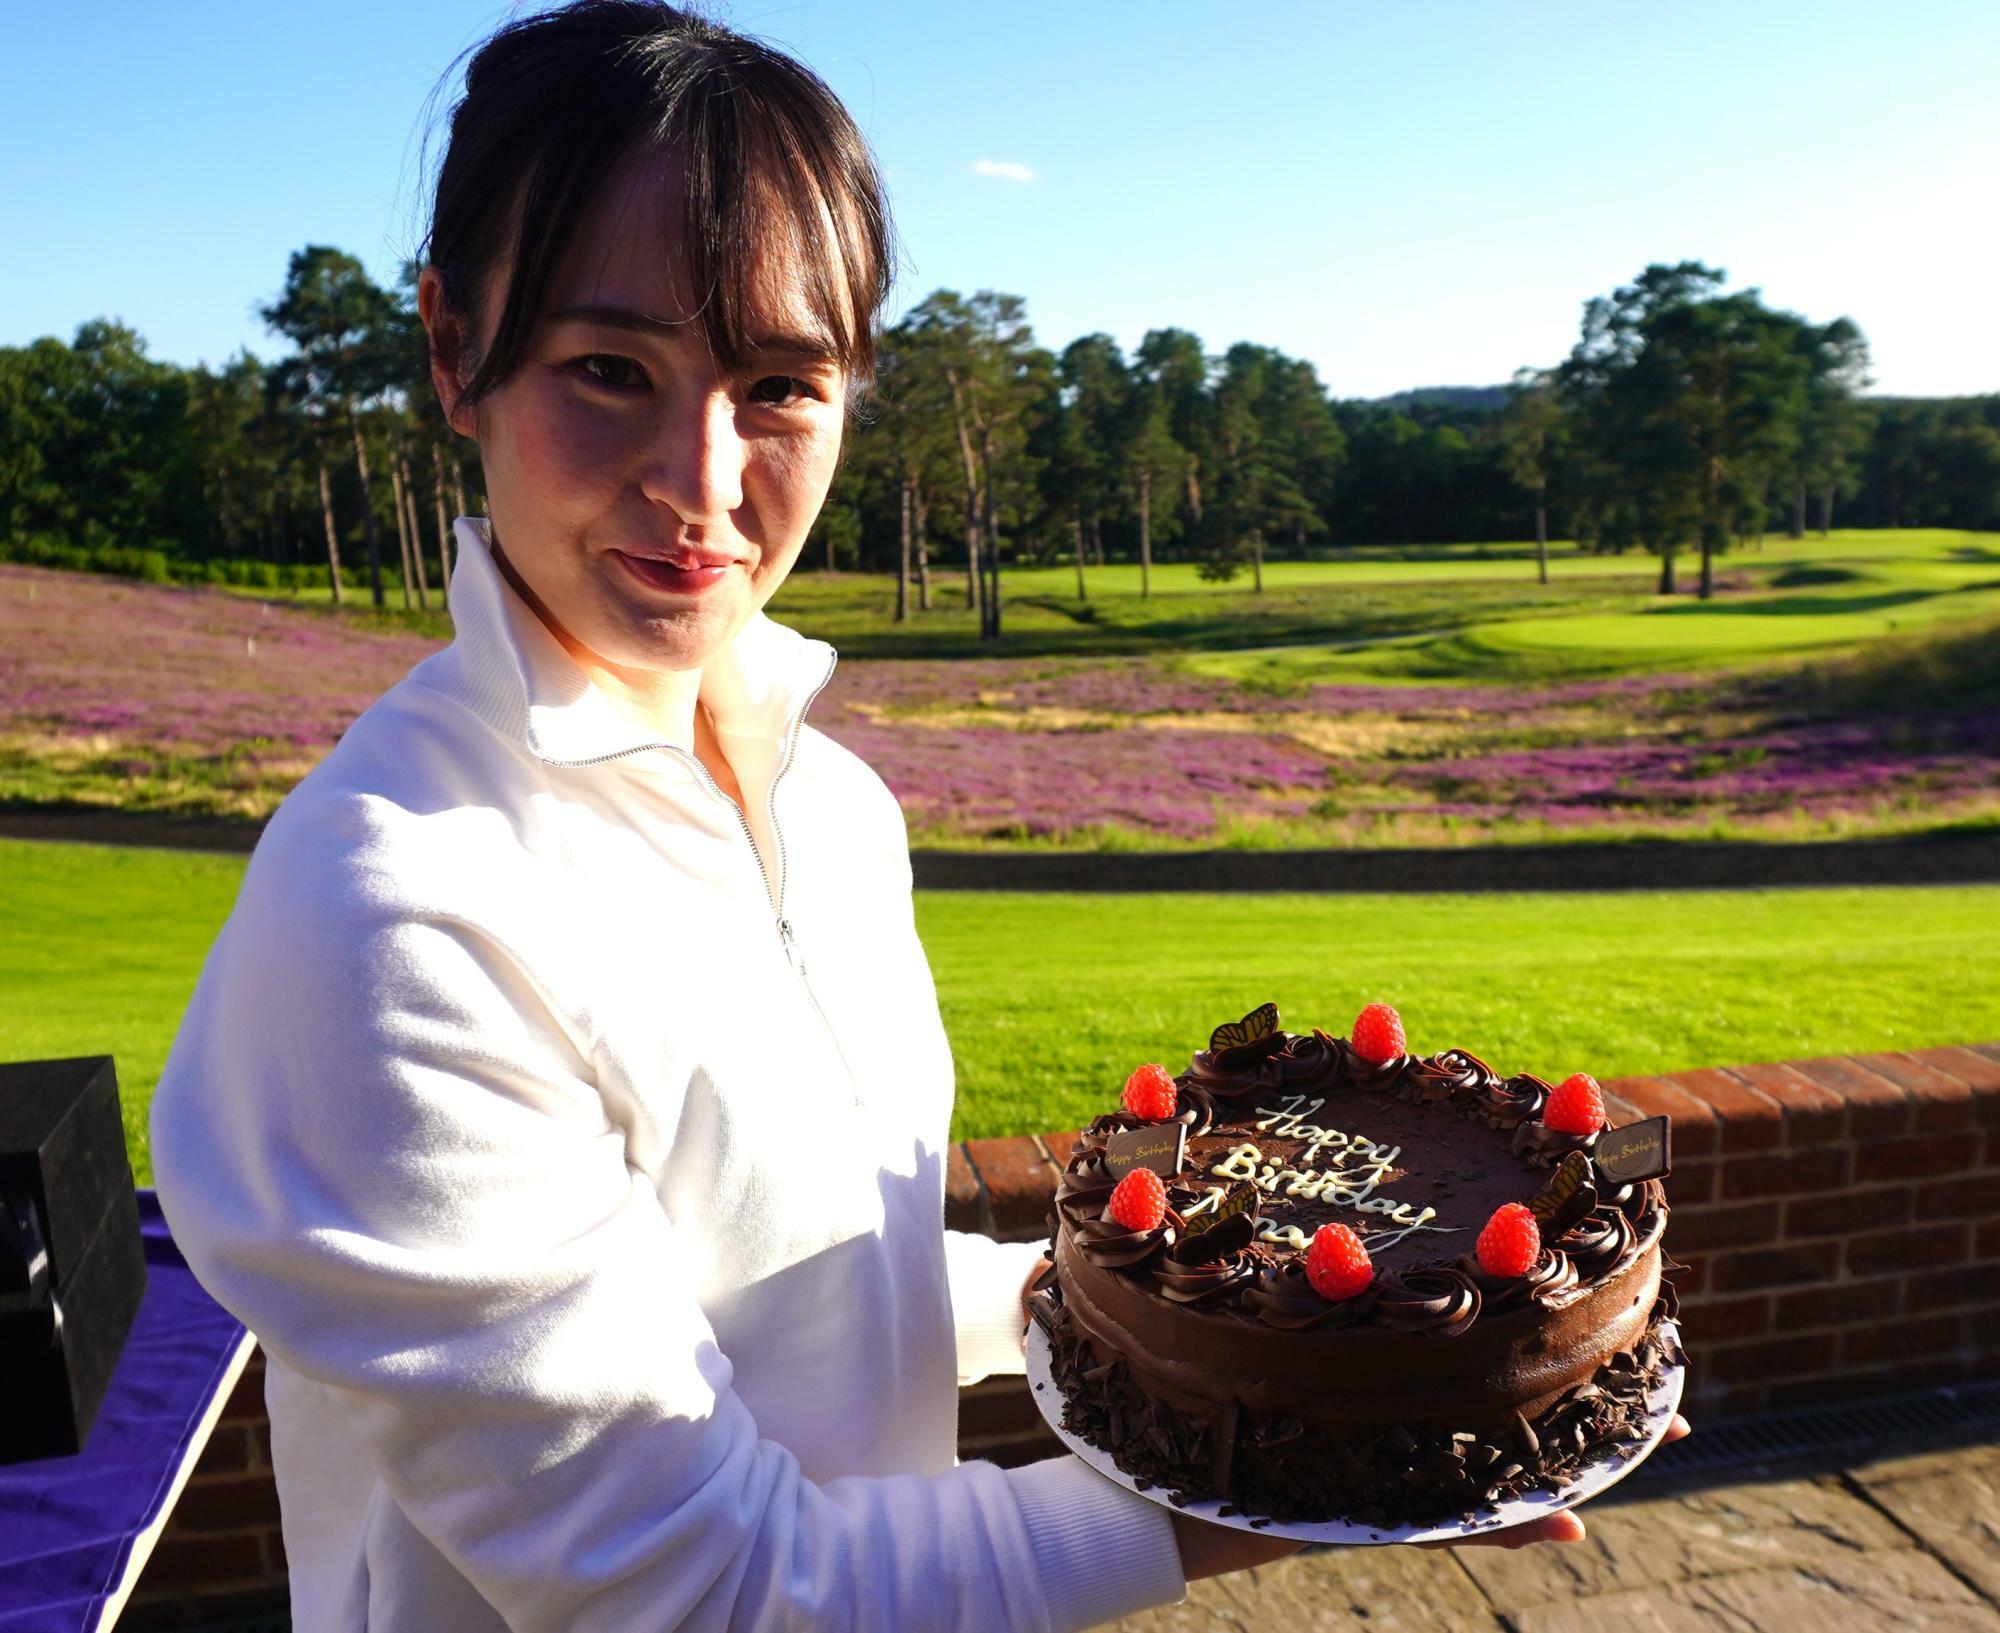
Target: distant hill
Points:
(1483, 398)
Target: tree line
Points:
(1684, 421)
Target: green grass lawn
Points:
(1051, 1000)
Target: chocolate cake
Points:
(1321, 1278)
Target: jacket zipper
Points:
(785, 936)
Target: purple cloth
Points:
(67, 1523)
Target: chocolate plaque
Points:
(1159, 1146)
(1637, 1151)
(1569, 1197)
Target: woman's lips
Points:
(690, 579)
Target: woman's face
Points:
(650, 500)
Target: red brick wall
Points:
(1840, 1219)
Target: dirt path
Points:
(1950, 860)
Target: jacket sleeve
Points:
(380, 1147)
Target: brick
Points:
(1946, 1289)
(1745, 1225)
(1915, 1158)
(268, 1604)
(1939, 1103)
(1691, 1183)
(1020, 1185)
(1771, 1359)
(1750, 1121)
(1754, 1268)
(1887, 1341)
(235, 1503)
(1696, 1125)
(1923, 1248)
(1839, 1304)
(228, 1451)
(1849, 1386)
(246, 1400)
(1785, 1173)
(1984, 1326)
(260, 1438)
(962, 1195)
(1969, 1066)
(1711, 1320)
(188, 1562)
(1737, 1401)
(1875, 1106)
(997, 1406)
(1061, 1144)
(1813, 1113)
(1970, 1196)
(1848, 1211)
(1986, 1243)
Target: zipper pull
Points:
(791, 946)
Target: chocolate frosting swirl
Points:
(1598, 1241)
(1197, 1108)
(1551, 1276)
(1508, 1101)
(1309, 1063)
(1114, 1246)
(1234, 1074)
(1440, 1300)
(1085, 1182)
(1547, 1146)
(1202, 1283)
(1282, 1297)
(1373, 1075)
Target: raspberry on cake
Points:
(1337, 1264)
(1150, 1092)
(1511, 1242)
(1576, 1107)
(1341, 1305)
(1378, 1035)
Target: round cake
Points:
(1321, 1278)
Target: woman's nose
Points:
(696, 462)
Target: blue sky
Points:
(1407, 194)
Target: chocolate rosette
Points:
(1202, 1283)
(1439, 1300)
(1118, 1247)
(1551, 1276)
(1234, 1074)
(1509, 1101)
(1451, 1075)
(1310, 1063)
(1282, 1297)
(1197, 1108)
(1085, 1182)
(1545, 1146)
(1598, 1242)
(1376, 1076)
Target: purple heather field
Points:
(198, 701)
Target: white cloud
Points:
(1002, 170)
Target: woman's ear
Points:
(451, 357)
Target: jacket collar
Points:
(516, 676)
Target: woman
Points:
(564, 1104)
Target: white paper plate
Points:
(1539, 1505)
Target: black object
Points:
(72, 1270)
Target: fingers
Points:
(1565, 1527)
(1675, 1430)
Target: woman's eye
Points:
(780, 390)
(606, 369)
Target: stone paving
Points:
(1910, 1543)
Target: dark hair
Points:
(553, 100)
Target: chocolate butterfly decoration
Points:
(1569, 1196)
(1260, 1025)
(1221, 1230)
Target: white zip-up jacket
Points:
(573, 1142)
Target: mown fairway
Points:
(1051, 1000)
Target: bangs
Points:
(779, 189)
(770, 201)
